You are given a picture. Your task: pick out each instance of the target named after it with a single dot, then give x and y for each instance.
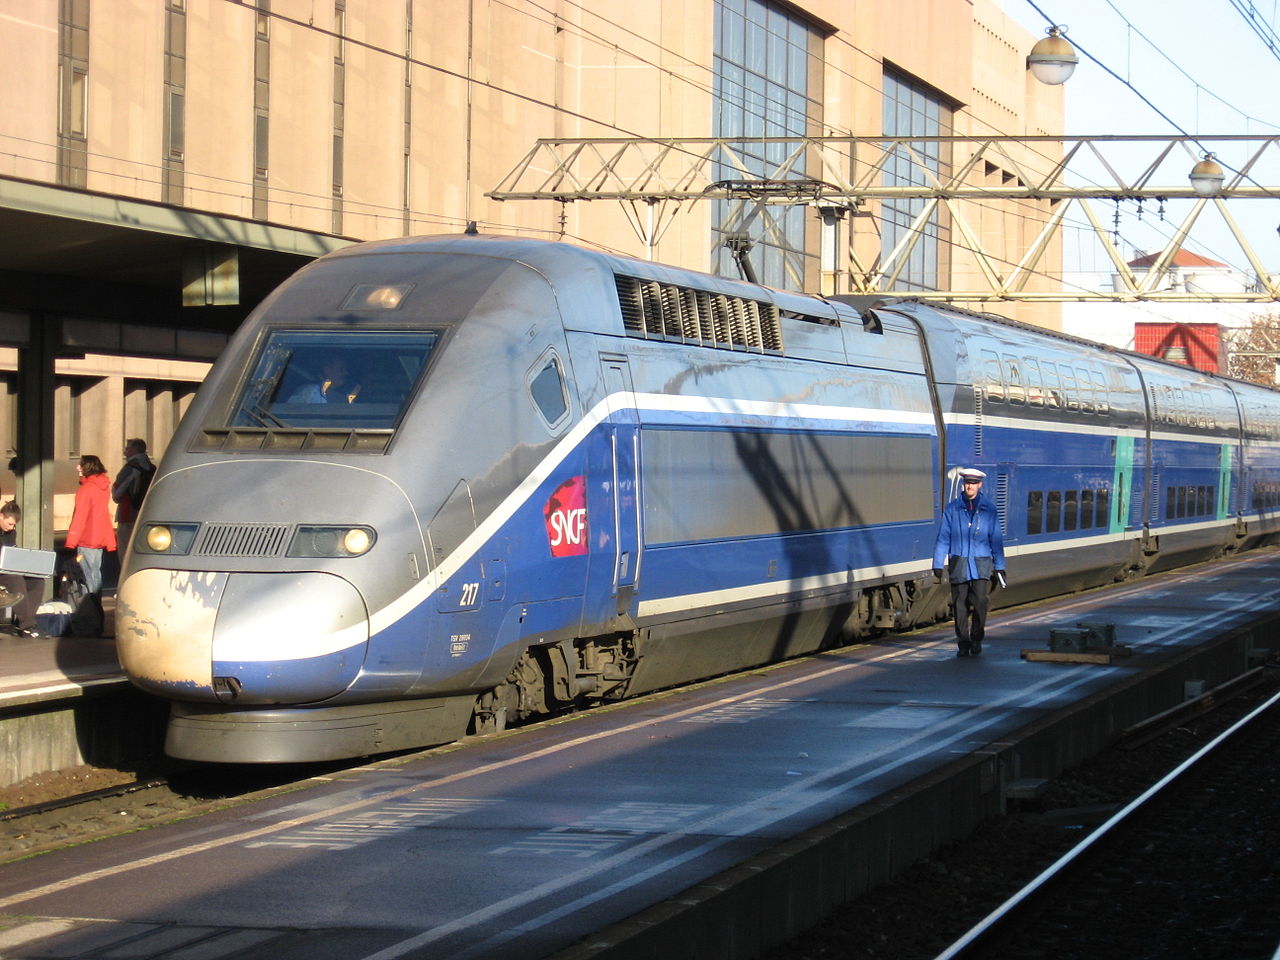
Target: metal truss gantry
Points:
(967, 187)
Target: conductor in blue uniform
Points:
(971, 549)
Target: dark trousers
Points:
(31, 590)
(969, 600)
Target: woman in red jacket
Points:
(91, 530)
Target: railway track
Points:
(1187, 869)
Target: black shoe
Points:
(963, 651)
(975, 649)
(35, 634)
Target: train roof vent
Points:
(668, 311)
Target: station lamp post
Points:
(1052, 60)
(1207, 177)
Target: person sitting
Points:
(22, 593)
(332, 388)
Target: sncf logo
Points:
(566, 516)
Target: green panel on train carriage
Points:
(1122, 484)
(1224, 481)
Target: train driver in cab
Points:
(971, 548)
(332, 387)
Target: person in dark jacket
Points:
(971, 548)
(130, 486)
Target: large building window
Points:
(913, 109)
(766, 85)
(73, 80)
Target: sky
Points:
(1201, 64)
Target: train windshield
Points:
(346, 380)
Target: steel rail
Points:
(979, 936)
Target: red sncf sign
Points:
(566, 516)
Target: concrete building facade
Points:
(164, 162)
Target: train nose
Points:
(247, 638)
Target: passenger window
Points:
(1071, 513)
(1101, 399)
(1069, 387)
(1085, 385)
(1035, 512)
(1035, 385)
(1052, 385)
(1102, 507)
(1086, 509)
(994, 377)
(548, 392)
(1053, 517)
(1016, 392)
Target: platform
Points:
(713, 821)
(50, 668)
(56, 707)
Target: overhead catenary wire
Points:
(704, 84)
(1265, 31)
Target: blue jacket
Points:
(971, 538)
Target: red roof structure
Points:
(1183, 258)
(1197, 345)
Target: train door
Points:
(1122, 484)
(619, 482)
(1226, 458)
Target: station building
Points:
(165, 163)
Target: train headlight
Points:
(331, 541)
(357, 540)
(174, 539)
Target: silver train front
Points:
(280, 562)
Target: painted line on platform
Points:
(197, 848)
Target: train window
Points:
(1014, 371)
(548, 392)
(1053, 516)
(1100, 398)
(1035, 512)
(1086, 509)
(1069, 387)
(1035, 386)
(994, 376)
(1085, 384)
(1204, 502)
(332, 379)
(1102, 508)
(1071, 510)
(1052, 385)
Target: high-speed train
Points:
(444, 483)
